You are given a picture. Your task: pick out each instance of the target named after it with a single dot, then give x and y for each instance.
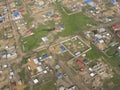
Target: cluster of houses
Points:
(92, 72)
(7, 46)
(116, 29)
(100, 37)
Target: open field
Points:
(28, 18)
(94, 54)
(75, 45)
(42, 52)
(66, 56)
(74, 23)
(112, 84)
(34, 40)
(47, 84)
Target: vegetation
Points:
(24, 61)
(27, 88)
(94, 53)
(114, 60)
(46, 86)
(111, 52)
(22, 75)
(112, 84)
(74, 23)
(34, 40)
(42, 52)
(64, 56)
(47, 83)
(28, 18)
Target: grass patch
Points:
(115, 83)
(93, 53)
(46, 83)
(28, 18)
(24, 61)
(27, 88)
(75, 45)
(42, 52)
(46, 86)
(34, 40)
(22, 75)
(114, 60)
(74, 23)
(111, 52)
(67, 10)
(65, 56)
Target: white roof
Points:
(92, 74)
(11, 73)
(62, 88)
(71, 88)
(39, 63)
(36, 60)
(1, 72)
(39, 68)
(45, 71)
(101, 41)
(107, 34)
(10, 77)
(8, 55)
(5, 65)
(44, 39)
(90, 69)
(41, 2)
(29, 67)
(35, 81)
(101, 30)
(119, 47)
(7, 47)
(98, 36)
(77, 53)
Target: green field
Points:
(46, 83)
(34, 40)
(74, 23)
(112, 84)
(111, 51)
(45, 86)
(66, 56)
(114, 61)
(75, 45)
(94, 53)
(28, 18)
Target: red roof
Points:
(80, 63)
(23, 11)
(118, 32)
(81, 70)
(115, 27)
(30, 32)
(13, 84)
(56, 16)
